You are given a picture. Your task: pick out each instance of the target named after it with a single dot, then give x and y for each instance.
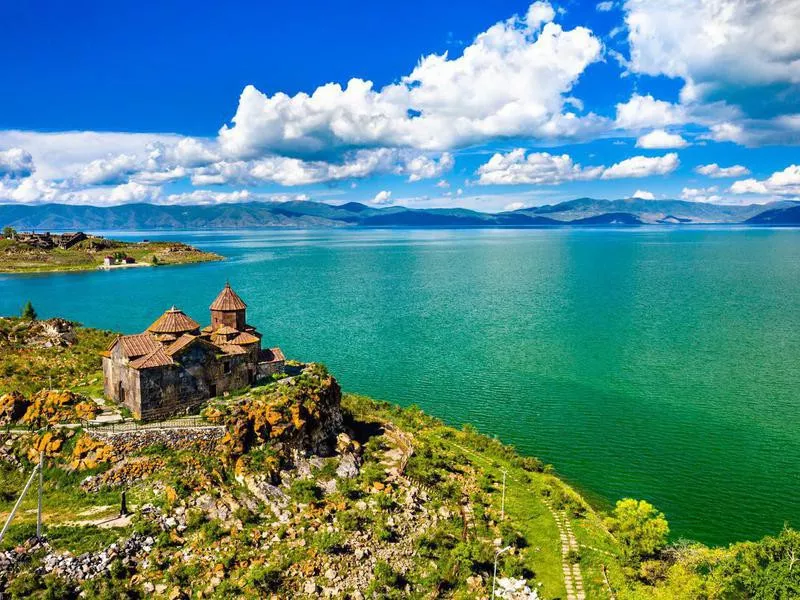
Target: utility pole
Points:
(19, 501)
(503, 501)
(496, 556)
(39, 506)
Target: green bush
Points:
(328, 542)
(213, 530)
(305, 491)
(265, 578)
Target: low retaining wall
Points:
(204, 438)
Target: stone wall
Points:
(268, 369)
(117, 376)
(180, 389)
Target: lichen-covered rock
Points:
(12, 407)
(88, 453)
(58, 406)
(49, 442)
(302, 415)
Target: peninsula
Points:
(289, 488)
(29, 252)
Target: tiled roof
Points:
(134, 346)
(245, 338)
(157, 358)
(180, 344)
(173, 321)
(208, 329)
(232, 349)
(225, 330)
(228, 300)
(271, 355)
(165, 337)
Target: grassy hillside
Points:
(36, 355)
(297, 491)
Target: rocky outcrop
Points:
(88, 453)
(48, 333)
(12, 407)
(48, 407)
(300, 416)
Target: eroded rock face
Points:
(301, 417)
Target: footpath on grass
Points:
(566, 561)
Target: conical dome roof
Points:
(228, 300)
(173, 321)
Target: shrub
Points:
(328, 542)
(305, 491)
(213, 530)
(28, 312)
(640, 528)
(350, 520)
(265, 578)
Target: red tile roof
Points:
(245, 338)
(228, 300)
(180, 344)
(173, 321)
(157, 358)
(225, 330)
(134, 346)
(232, 349)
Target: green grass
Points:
(77, 367)
(16, 257)
(526, 514)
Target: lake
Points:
(659, 363)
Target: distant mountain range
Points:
(583, 211)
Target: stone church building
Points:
(175, 366)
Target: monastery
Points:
(175, 366)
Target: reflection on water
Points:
(655, 362)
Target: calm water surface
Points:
(656, 363)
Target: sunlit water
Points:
(656, 363)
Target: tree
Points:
(640, 528)
(9, 232)
(28, 312)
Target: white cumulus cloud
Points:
(708, 194)
(658, 139)
(643, 195)
(382, 197)
(109, 171)
(543, 168)
(512, 80)
(714, 170)
(643, 166)
(780, 183)
(645, 112)
(16, 163)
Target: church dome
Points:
(174, 321)
(228, 300)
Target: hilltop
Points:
(293, 489)
(307, 214)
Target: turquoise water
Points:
(656, 363)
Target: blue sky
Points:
(492, 106)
